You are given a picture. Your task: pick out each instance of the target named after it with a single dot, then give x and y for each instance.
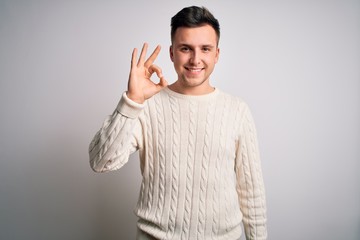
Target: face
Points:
(194, 53)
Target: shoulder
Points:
(236, 103)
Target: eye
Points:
(206, 49)
(184, 49)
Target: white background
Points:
(65, 64)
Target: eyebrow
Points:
(190, 46)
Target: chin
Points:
(194, 82)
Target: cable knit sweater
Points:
(201, 173)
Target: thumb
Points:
(163, 83)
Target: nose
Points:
(195, 57)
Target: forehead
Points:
(203, 35)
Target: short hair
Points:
(194, 17)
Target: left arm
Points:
(250, 185)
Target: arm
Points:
(250, 185)
(120, 134)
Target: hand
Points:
(140, 86)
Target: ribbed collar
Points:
(204, 97)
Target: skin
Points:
(140, 86)
(194, 53)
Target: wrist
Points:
(128, 107)
(135, 98)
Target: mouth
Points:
(194, 70)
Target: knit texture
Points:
(199, 162)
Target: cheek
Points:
(211, 60)
(179, 59)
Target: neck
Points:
(191, 90)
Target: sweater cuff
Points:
(128, 107)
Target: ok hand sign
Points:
(140, 86)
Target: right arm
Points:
(121, 132)
(118, 137)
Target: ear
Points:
(171, 53)
(217, 55)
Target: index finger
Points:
(153, 56)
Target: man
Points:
(197, 145)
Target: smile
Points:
(194, 70)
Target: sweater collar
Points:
(203, 97)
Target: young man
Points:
(197, 145)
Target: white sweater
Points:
(199, 162)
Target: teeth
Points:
(194, 69)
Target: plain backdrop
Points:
(65, 64)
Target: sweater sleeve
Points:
(119, 136)
(250, 185)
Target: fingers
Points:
(142, 61)
(143, 54)
(133, 57)
(155, 69)
(163, 83)
(159, 86)
(153, 56)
